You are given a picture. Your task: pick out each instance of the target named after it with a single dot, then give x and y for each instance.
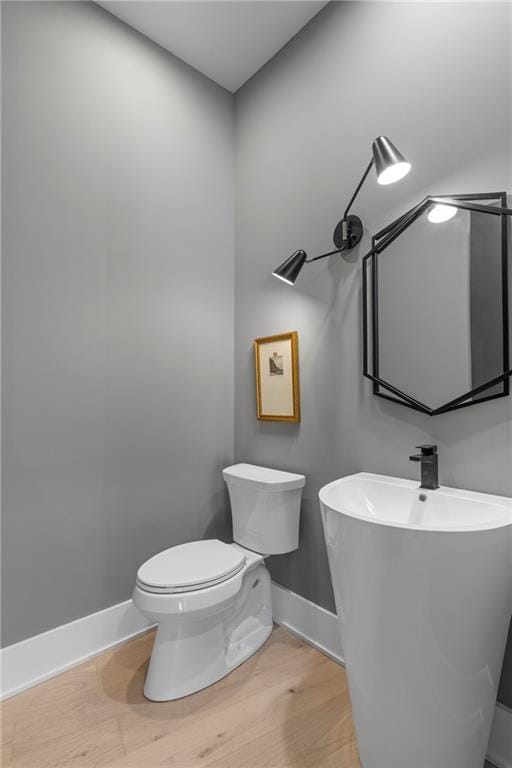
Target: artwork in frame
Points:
(277, 377)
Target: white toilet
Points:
(212, 601)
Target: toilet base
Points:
(191, 653)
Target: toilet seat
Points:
(190, 567)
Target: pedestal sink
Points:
(423, 588)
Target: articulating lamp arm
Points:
(363, 179)
(349, 231)
(324, 255)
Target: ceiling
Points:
(226, 40)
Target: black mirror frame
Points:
(380, 242)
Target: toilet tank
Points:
(265, 507)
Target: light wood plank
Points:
(68, 745)
(7, 741)
(246, 718)
(144, 722)
(288, 706)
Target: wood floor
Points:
(286, 707)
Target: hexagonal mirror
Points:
(435, 295)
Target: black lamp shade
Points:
(289, 270)
(390, 164)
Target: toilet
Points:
(212, 600)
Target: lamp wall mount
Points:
(348, 233)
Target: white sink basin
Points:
(396, 502)
(423, 588)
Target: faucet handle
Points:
(427, 450)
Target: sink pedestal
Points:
(424, 610)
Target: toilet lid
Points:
(186, 567)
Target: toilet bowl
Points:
(212, 600)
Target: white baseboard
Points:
(316, 625)
(319, 628)
(500, 743)
(38, 658)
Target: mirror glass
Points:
(440, 306)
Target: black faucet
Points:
(428, 459)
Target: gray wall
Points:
(436, 79)
(117, 307)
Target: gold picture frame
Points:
(276, 360)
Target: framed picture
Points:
(277, 377)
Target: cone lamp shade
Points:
(290, 269)
(390, 164)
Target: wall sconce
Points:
(390, 166)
